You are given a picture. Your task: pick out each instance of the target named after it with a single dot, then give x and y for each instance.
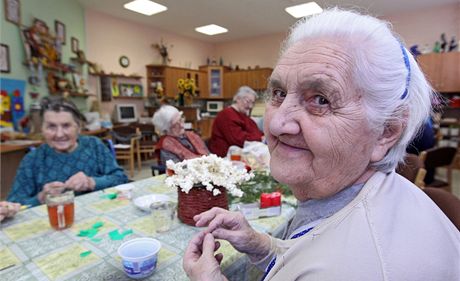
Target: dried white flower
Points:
(209, 171)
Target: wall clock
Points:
(124, 61)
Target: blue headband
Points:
(407, 63)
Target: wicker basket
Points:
(197, 201)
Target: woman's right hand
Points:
(54, 187)
(233, 227)
(7, 209)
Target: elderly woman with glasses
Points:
(66, 160)
(233, 126)
(345, 99)
(175, 143)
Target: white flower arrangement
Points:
(210, 171)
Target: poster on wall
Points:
(11, 103)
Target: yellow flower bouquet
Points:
(187, 91)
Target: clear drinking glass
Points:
(163, 214)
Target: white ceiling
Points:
(243, 18)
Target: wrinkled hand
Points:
(199, 262)
(80, 182)
(233, 227)
(7, 209)
(54, 187)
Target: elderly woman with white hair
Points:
(175, 143)
(345, 99)
(233, 126)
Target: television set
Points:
(214, 107)
(125, 113)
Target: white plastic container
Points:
(139, 256)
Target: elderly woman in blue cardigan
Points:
(66, 160)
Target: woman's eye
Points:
(278, 95)
(320, 100)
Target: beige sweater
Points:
(390, 231)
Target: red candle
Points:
(265, 200)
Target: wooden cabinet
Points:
(257, 79)
(168, 77)
(442, 70)
(215, 82)
(205, 127)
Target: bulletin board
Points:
(11, 103)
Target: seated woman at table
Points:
(175, 143)
(8, 209)
(233, 125)
(345, 99)
(65, 160)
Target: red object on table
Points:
(270, 200)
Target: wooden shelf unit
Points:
(109, 83)
(169, 75)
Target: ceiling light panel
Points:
(304, 10)
(145, 7)
(211, 29)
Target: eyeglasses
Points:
(178, 121)
(249, 101)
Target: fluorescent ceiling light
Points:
(303, 10)
(145, 7)
(211, 29)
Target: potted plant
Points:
(203, 183)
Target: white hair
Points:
(393, 87)
(163, 117)
(244, 91)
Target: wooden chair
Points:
(147, 141)
(436, 158)
(412, 169)
(447, 202)
(126, 144)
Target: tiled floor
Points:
(147, 172)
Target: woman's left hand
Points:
(80, 182)
(199, 262)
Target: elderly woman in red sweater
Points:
(233, 126)
(175, 143)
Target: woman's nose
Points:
(283, 120)
(59, 131)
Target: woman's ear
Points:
(390, 135)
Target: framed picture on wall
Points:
(74, 44)
(59, 28)
(4, 58)
(13, 11)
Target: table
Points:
(41, 253)
(11, 154)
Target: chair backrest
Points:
(123, 134)
(447, 202)
(410, 168)
(438, 157)
(111, 147)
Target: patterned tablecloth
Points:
(31, 250)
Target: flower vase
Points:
(197, 201)
(188, 100)
(180, 100)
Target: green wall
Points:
(69, 12)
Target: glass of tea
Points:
(235, 156)
(60, 209)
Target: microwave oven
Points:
(214, 107)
